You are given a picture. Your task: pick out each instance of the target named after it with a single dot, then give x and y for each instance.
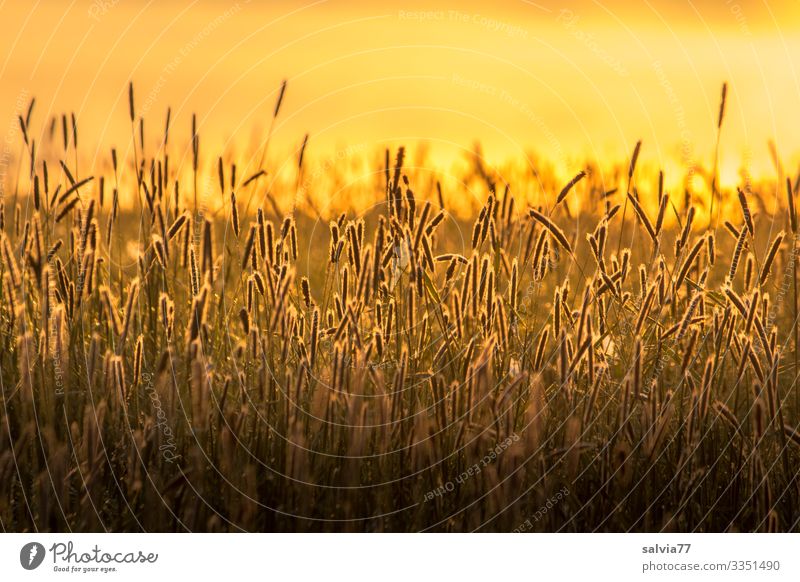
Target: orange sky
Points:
(586, 81)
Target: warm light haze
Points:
(566, 83)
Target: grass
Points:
(242, 373)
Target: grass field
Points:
(612, 357)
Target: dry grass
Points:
(239, 375)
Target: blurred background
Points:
(566, 84)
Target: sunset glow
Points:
(524, 78)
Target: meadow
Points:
(608, 357)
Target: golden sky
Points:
(564, 80)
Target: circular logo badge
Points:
(31, 555)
